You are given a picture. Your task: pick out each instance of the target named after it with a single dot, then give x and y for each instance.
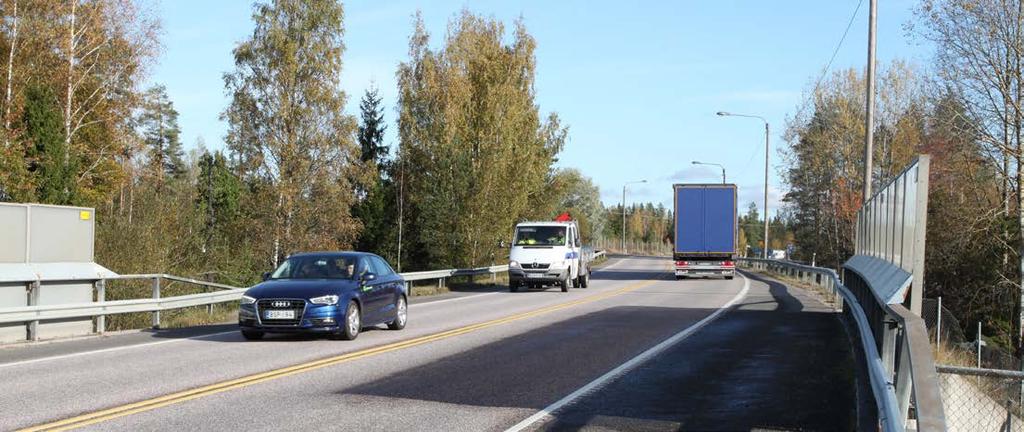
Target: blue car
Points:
(332, 293)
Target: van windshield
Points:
(540, 236)
(317, 267)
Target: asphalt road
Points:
(638, 351)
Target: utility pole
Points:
(624, 212)
(767, 133)
(869, 121)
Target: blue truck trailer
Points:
(705, 230)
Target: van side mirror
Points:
(266, 275)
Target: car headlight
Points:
(513, 263)
(246, 300)
(325, 300)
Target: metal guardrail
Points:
(900, 365)
(225, 293)
(99, 309)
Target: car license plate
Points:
(279, 314)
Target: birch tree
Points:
(980, 45)
(287, 129)
(470, 126)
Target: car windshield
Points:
(317, 267)
(540, 236)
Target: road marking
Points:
(106, 350)
(630, 364)
(186, 395)
(427, 303)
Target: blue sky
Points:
(638, 83)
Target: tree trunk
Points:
(10, 75)
(70, 84)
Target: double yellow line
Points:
(182, 396)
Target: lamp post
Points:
(713, 164)
(764, 252)
(624, 212)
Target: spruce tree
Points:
(55, 178)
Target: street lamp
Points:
(624, 212)
(766, 135)
(713, 164)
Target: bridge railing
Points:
(215, 293)
(895, 344)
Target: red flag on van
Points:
(564, 217)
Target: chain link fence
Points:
(981, 399)
(980, 391)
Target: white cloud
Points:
(695, 173)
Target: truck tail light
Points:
(682, 263)
(728, 264)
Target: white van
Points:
(547, 253)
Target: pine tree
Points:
(161, 134)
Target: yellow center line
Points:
(186, 395)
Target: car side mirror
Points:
(266, 275)
(369, 277)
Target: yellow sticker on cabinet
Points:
(84, 215)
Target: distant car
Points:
(332, 293)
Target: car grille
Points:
(297, 305)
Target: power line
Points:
(824, 71)
(832, 59)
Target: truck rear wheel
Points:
(584, 279)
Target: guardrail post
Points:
(440, 283)
(904, 383)
(156, 295)
(101, 296)
(33, 300)
(888, 353)
(209, 307)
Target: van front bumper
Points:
(549, 275)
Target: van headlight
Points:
(513, 263)
(246, 300)
(325, 300)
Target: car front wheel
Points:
(353, 322)
(401, 314)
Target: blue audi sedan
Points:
(332, 293)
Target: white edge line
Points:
(630, 364)
(112, 349)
